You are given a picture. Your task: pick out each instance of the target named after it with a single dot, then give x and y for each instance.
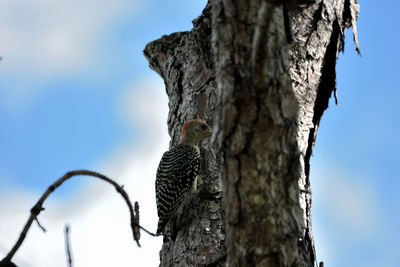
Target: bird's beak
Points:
(210, 131)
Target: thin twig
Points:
(147, 231)
(40, 226)
(39, 207)
(67, 245)
(305, 191)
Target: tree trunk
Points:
(262, 73)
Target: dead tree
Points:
(261, 72)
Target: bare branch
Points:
(39, 207)
(67, 246)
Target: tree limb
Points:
(39, 207)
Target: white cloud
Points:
(43, 37)
(345, 212)
(47, 39)
(145, 105)
(348, 198)
(99, 218)
(142, 107)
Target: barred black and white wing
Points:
(176, 174)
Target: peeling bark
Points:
(262, 73)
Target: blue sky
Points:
(77, 93)
(355, 167)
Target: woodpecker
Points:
(176, 178)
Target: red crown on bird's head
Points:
(187, 125)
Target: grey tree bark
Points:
(261, 72)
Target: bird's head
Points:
(193, 131)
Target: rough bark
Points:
(257, 134)
(262, 73)
(185, 62)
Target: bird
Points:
(176, 178)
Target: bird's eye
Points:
(203, 126)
